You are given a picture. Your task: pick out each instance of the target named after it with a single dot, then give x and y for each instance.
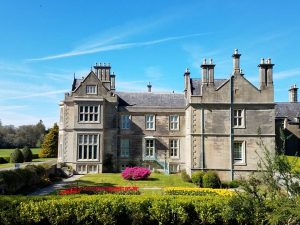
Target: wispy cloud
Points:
(113, 47)
(11, 107)
(286, 74)
(41, 94)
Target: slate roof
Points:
(150, 99)
(196, 85)
(287, 109)
(76, 83)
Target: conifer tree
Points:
(50, 144)
(16, 156)
(27, 153)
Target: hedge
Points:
(197, 191)
(118, 209)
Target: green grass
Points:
(115, 179)
(6, 152)
(294, 160)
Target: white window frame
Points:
(124, 147)
(150, 122)
(125, 122)
(89, 113)
(88, 147)
(149, 151)
(174, 149)
(239, 118)
(174, 122)
(91, 89)
(92, 168)
(242, 155)
(172, 167)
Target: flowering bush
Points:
(197, 191)
(99, 190)
(136, 173)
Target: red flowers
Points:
(98, 190)
(136, 173)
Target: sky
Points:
(43, 43)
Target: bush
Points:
(35, 156)
(4, 160)
(185, 177)
(230, 184)
(50, 144)
(16, 156)
(136, 173)
(211, 180)
(27, 154)
(197, 178)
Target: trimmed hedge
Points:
(16, 156)
(211, 180)
(4, 160)
(13, 181)
(146, 210)
(197, 178)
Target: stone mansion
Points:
(211, 126)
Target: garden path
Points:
(55, 186)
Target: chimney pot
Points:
(204, 61)
(149, 87)
(210, 61)
(187, 70)
(262, 61)
(236, 51)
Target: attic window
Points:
(91, 89)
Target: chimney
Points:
(204, 72)
(186, 80)
(265, 73)
(211, 68)
(113, 81)
(103, 71)
(236, 62)
(149, 86)
(293, 92)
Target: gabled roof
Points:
(76, 83)
(287, 109)
(196, 85)
(149, 99)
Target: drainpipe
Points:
(231, 126)
(202, 141)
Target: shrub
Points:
(211, 180)
(27, 154)
(35, 156)
(16, 156)
(197, 178)
(136, 173)
(197, 191)
(4, 160)
(185, 177)
(50, 143)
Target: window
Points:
(238, 118)
(174, 168)
(174, 148)
(123, 167)
(149, 148)
(89, 113)
(81, 168)
(91, 89)
(61, 117)
(239, 152)
(174, 122)
(125, 121)
(124, 147)
(92, 169)
(87, 147)
(150, 122)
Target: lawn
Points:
(155, 180)
(6, 152)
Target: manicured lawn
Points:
(115, 179)
(6, 152)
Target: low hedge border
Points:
(197, 191)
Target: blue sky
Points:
(43, 43)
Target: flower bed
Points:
(100, 190)
(197, 191)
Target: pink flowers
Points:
(97, 189)
(136, 173)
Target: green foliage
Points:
(50, 144)
(4, 160)
(185, 177)
(16, 156)
(197, 178)
(13, 181)
(230, 184)
(211, 180)
(27, 153)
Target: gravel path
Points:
(55, 186)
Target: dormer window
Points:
(91, 89)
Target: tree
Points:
(16, 156)
(50, 144)
(27, 154)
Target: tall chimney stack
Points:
(236, 62)
(186, 81)
(293, 92)
(149, 86)
(265, 73)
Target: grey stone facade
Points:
(211, 126)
